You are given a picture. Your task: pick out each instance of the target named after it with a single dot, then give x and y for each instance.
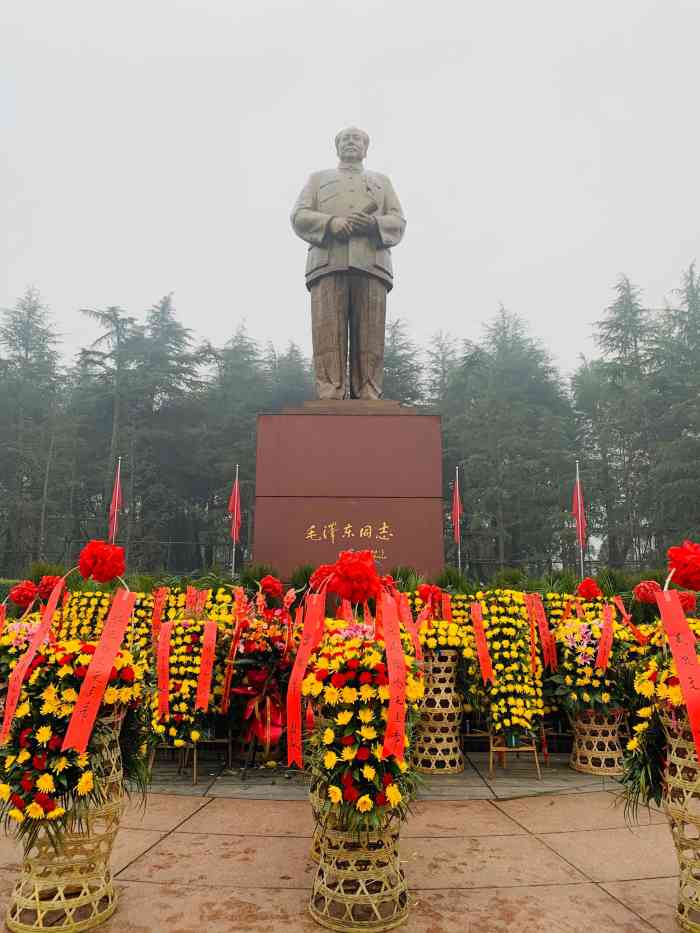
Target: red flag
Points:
(116, 504)
(579, 513)
(457, 513)
(234, 507)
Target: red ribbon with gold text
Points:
(446, 607)
(482, 648)
(395, 732)
(606, 639)
(163, 671)
(682, 643)
(17, 676)
(533, 639)
(641, 638)
(87, 705)
(206, 667)
(160, 596)
(411, 627)
(536, 610)
(312, 632)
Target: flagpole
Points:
(459, 529)
(580, 519)
(233, 559)
(117, 484)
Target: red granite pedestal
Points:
(337, 475)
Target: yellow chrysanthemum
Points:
(16, 815)
(46, 784)
(60, 764)
(368, 732)
(364, 803)
(330, 760)
(56, 813)
(35, 812)
(343, 717)
(366, 714)
(368, 772)
(349, 752)
(4, 791)
(85, 784)
(328, 737)
(393, 795)
(335, 794)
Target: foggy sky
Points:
(539, 149)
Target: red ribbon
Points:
(533, 640)
(311, 635)
(195, 600)
(482, 648)
(3, 612)
(163, 671)
(230, 662)
(606, 639)
(206, 666)
(411, 627)
(20, 672)
(641, 638)
(345, 610)
(580, 614)
(447, 607)
(567, 611)
(537, 615)
(682, 643)
(395, 733)
(94, 685)
(160, 597)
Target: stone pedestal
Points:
(353, 474)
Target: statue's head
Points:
(352, 144)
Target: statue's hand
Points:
(340, 228)
(362, 223)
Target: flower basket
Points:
(359, 884)
(437, 743)
(597, 748)
(682, 806)
(69, 887)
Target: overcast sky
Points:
(539, 150)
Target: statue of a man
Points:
(351, 218)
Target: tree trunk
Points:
(45, 493)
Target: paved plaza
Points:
(481, 855)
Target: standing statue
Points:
(351, 218)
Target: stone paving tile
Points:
(573, 908)
(130, 844)
(163, 812)
(618, 854)
(580, 908)
(458, 818)
(236, 861)
(482, 862)
(573, 812)
(252, 817)
(654, 899)
(222, 788)
(457, 793)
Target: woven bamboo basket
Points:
(437, 746)
(359, 883)
(70, 888)
(315, 801)
(682, 806)
(597, 748)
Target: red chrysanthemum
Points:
(271, 586)
(320, 575)
(684, 561)
(101, 561)
(354, 577)
(689, 602)
(645, 592)
(46, 585)
(588, 589)
(24, 593)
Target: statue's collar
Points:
(353, 167)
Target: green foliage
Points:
(301, 576)
(42, 568)
(643, 777)
(455, 582)
(251, 575)
(509, 578)
(407, 578)
(5, 587)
